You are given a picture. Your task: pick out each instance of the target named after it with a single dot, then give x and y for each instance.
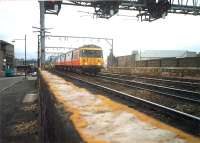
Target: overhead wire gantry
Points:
(149, 10)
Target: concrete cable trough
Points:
(98, 119)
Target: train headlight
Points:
(84, 62)
(99, 62)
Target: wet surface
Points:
(18, 120)
(6, 82)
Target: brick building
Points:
(6, 54)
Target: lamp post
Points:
(24, 52)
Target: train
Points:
(85, 59)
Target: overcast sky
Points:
(175, 32)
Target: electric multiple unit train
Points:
(88, 58)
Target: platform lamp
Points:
(24, 53)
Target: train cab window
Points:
(91, 53)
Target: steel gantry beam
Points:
(185, 7)
(150, 9)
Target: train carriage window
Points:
(62, 58)
(91, 53)
(68, 56)
(75, 55)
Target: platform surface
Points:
(99, 119)
(6, 82)
(19, 110)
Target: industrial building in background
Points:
(6, 55)
(29, 62)
(158, 54)
(156, 58)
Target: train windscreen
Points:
(91, 53)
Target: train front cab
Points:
(91, 60)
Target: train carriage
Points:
(88, 58)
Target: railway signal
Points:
(52, 6)
(106, 9)
(158, 9)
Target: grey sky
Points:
(175, 32)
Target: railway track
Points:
(187, 95)
(186, 84)
(184, 121)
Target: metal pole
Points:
(112, 53)
(42, 33)
(38, 56)
(25, 57)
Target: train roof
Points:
(84, 46)
(90, 46)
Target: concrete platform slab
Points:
(30, 98)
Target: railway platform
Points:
(19, 110)
(70, 113)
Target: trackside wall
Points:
(56, 126)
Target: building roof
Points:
(4, 42)
(157, 54)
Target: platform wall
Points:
(128, 61)
(56, 126)
(157, 71)
(182, 67)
